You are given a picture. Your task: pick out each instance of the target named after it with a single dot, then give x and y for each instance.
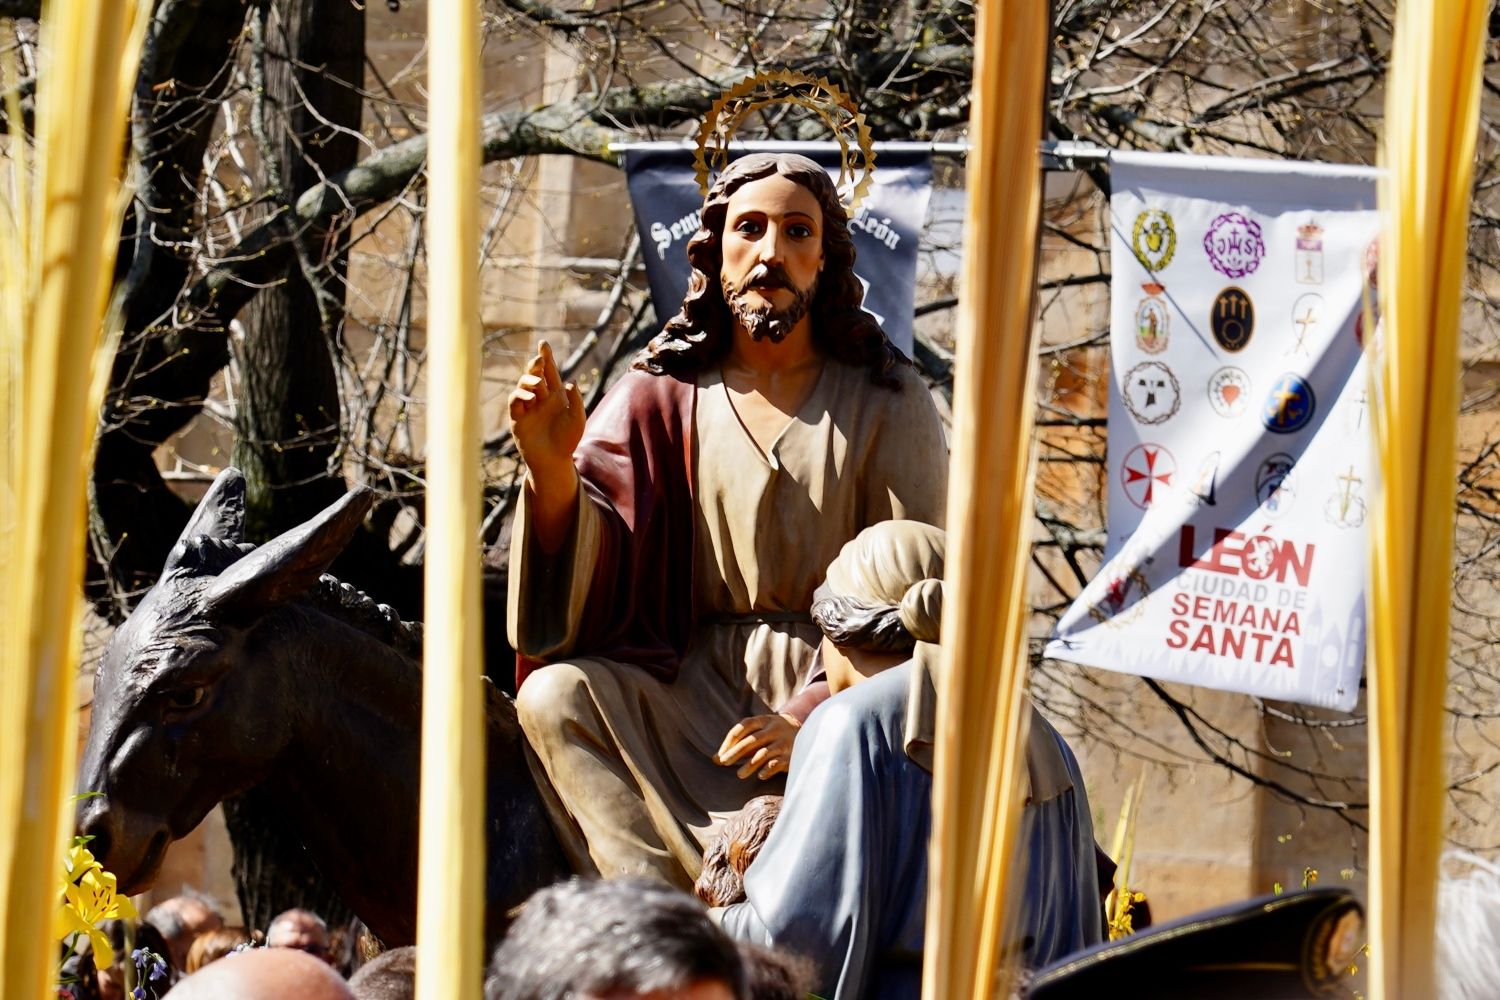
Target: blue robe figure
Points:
(842, 879)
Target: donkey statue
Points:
(246, 667)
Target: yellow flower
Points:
(89, 903)
(79, 860)
(1122, 924)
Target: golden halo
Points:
(817, 95)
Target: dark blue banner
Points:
(886, 227)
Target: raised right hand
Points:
(546, 419)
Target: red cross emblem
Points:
(1146, 467)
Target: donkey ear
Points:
(220, 514)
(287, 566)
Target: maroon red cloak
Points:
(636, 465)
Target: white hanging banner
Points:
(1239, 454)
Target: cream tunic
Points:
(629, 757)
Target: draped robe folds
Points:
(677, 605)
(842, 878)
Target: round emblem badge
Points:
(1273, 484)
(1151, 320)
(1232, 318)
(1146, 473)
(1151, 392)
(1234, 245)
(1289, 405)
(1153, 239)
(1344, 511)
(1345, 508)
(1229, 392)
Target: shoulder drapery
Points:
(622, 585)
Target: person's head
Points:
(391, 975)
(772, 248)
(212, 945)
(617, 939)
(770, 256)
(180, 920)
(775, 975)
(263, 974)
(882, 595)
(300, 930)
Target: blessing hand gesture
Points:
(546, 419)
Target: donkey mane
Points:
(354, 607)
(205, 555)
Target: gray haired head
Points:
(598, 937)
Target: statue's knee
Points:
(550, 696)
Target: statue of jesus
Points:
(666, 550)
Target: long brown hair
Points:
(699, 336)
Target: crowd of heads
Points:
(177, 949)
(589, 939)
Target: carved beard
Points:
(762, 320)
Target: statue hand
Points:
(546, 418)
(767, 739)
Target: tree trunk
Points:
(160, 375)
(287, 439)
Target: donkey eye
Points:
(183, 699)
